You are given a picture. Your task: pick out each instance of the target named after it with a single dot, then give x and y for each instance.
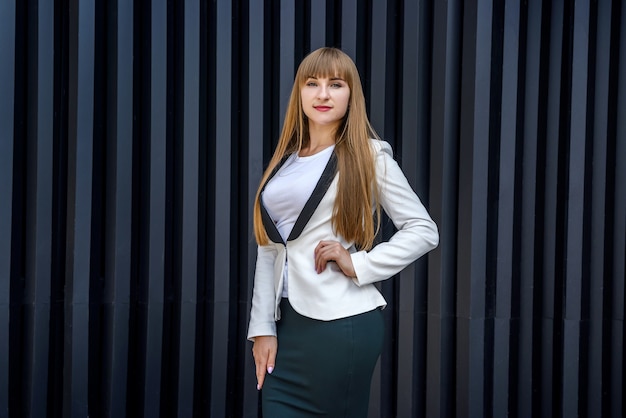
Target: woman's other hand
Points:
(333, 251)
(264, 353)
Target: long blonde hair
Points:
(357, 190)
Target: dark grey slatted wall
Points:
(532, 87)
(132, 139)
(613, 364)
(7, 112)
(118, 207)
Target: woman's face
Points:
(325, 100)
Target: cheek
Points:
(344, 104)
(345, 100)
(303, 104)
(303, 97)
(307, 112)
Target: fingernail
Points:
(270, 369)
(258, 387)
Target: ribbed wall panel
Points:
(7, 129)
(133, 135)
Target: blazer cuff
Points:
(359, 262)
(261, 329)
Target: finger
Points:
(327, 254)
(271, 361)
(319, 247)
(260, 378)
(267, 369)
(320, 261)
(261, 367)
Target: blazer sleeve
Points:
(263, 294)
(416, 232)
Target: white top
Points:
(288, 191)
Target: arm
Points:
(263, 294)
(416, 232)
(262, 327)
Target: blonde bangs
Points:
(326, 63)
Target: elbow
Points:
(425, 238)
(433, 236)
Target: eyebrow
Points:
(331, 78)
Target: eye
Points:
(337, 83)
(311, 84)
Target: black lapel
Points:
(311, 204)
(268, 223)
(270, 226)
(316, 197)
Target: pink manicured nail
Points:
(258, 387)
(270, 369)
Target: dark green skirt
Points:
(323, 368)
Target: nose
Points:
(324, 92)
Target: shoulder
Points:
(385, 164)
(382, 152)
(381, 147)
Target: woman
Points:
(315, 320)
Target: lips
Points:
(322, 108)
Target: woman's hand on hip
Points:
(264, 352)
(333, 251)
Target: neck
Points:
(321, 137)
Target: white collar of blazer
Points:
(318, 193)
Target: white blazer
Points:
(330, 294)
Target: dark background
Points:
(132, 138)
